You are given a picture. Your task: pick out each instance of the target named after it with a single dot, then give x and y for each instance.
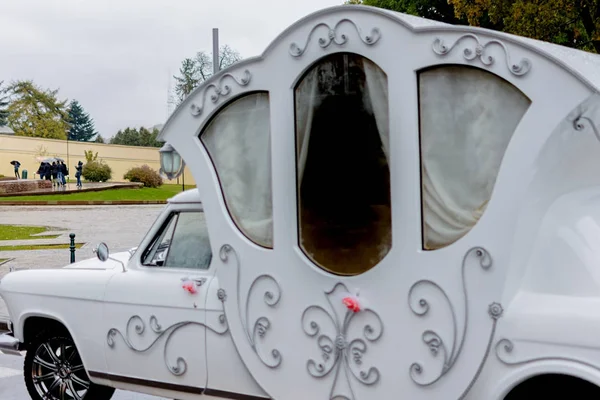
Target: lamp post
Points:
(68, 162)
(171, 163)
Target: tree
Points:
(572, 23)
(99, 139)
(36, 112)
(188, 79)
(195, 71)
(438, 10)
(135, 137)
(82, 126)
(3, 106)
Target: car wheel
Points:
(54, 370)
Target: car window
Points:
(156, 253)
(183, 242)
(190, 245)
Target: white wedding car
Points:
(387, 208)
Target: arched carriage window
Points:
(238, 140)
(343, 177)
(467, 119)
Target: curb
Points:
(81, 203)
(131, 185)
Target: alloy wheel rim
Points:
(57, 371)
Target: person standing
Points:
(79, 169)
(17, 165)
(40, 170)
(59, 174)
(54, 170)
(65, 172)
(47, 171)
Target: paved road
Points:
(121, 227)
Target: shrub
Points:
(90, 156)
(145, 175)
(96, 171)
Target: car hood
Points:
(94, 263)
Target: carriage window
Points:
(467, 119)
(239, 143)
(343, 176)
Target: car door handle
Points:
(199, 281)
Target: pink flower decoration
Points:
(190, 287)
(352, 303)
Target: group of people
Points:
(57, 172)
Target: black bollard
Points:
(72, 247)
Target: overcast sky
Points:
(116, 56)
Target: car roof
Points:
(188, 196)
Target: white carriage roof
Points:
(584, 64)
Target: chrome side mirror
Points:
(103, 254)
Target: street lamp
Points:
(171, 163)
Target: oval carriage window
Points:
(342, 136)
(467, 119)
(238, 140)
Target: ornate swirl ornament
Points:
(580, 122)
(339, 350)
(333, 36)
(450, 353)
(505, 349)
(139, 327)
(479, 51)
(261, 326)
(219, 90)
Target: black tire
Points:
(53, 370)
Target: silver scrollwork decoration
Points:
(261, 326)
(479, 51)
(420, 307)
(505, 348)
(219, 90)
(180, 366)
(339, 351)
(579, 124)
(333, 36)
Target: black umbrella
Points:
(13, 162)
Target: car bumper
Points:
(8, 343)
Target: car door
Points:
(155, 314)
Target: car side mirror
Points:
(103, 254)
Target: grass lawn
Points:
(2, 260)
(15, 232)
(162, 193)
(39, 247)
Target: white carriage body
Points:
(477, 268)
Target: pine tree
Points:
(82, 126)
(3, 106)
